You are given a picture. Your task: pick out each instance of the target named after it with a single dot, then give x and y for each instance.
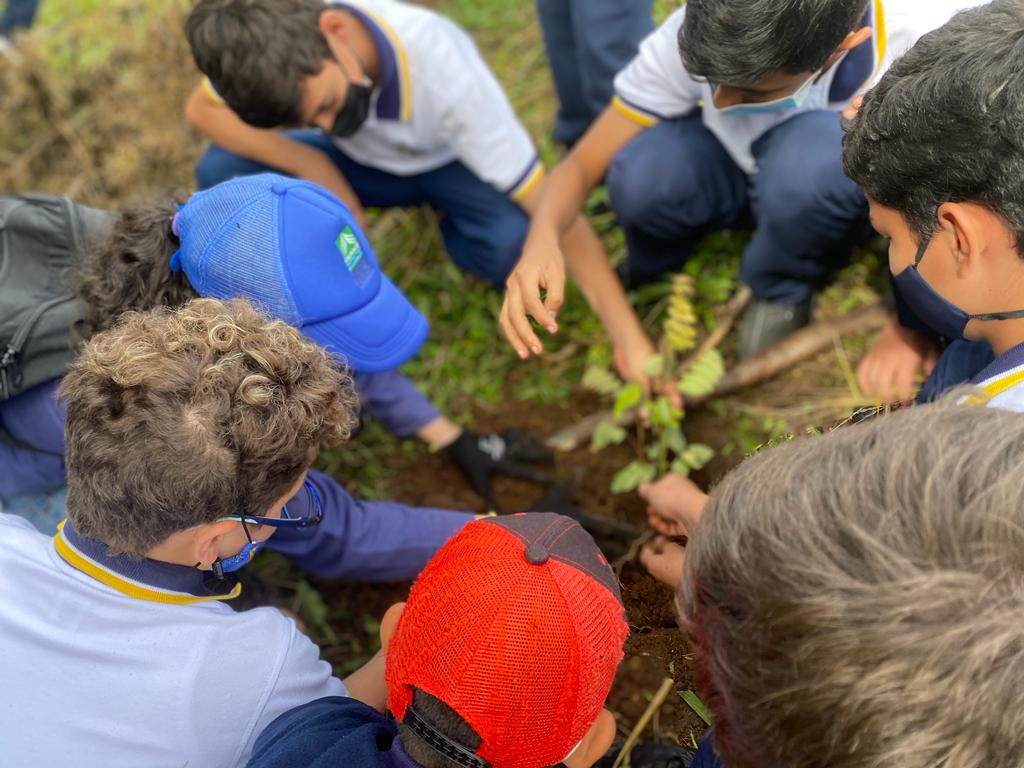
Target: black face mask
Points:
(354, 111)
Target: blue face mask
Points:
(793, 101)
(942, 316)
(233, 563)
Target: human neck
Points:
(1004, 335)
(177, 549)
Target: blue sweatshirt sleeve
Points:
(394, 400)
(33, 418)
(364, 540)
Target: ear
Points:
(389, 624)
(963, 227)
(207, 540)
(333, 25)
(854, 39)
(595, 742)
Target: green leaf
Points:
(675, 440)
(601, 380)
(630, 395)
(631, 475)
(660, 413)
(703, 374)
(654, 365)
(693, 702)
(680, 467)
(697, 455)
(607, 433)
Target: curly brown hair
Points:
(129, 269)
(176, 418)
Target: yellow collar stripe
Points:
(126, 587)
(403, 63)
(879, 39)
(996, 386)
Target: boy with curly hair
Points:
(187, 433)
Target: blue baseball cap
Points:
(295, 249)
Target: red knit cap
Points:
(517, 625)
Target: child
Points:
(729, 114)
(187, 431)
(855, 598)
(408, 113)
(293, 248)
(962, 87)
(940, 118)
(506, 666)
(587, 42)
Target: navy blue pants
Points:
(483, 229)
(18, 14)
(587, 43)
(674, 183)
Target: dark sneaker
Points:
(766, 324)
(650, 755)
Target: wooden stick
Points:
(654, 706)
(794, 349)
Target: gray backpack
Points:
(41, 237)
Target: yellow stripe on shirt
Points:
(405, 86)
(996, 387)
(77, 560)
(632, 113)
(528, 183)
(210, 91)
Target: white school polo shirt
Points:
(110, 663)
(436, 101)
(656, 86)
(1001, 383)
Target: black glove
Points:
(481, 457)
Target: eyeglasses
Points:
(286, 520)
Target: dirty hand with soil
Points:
(674, 507)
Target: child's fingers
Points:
(664, 561)
(537, 308)
(516, 326)
(555, 286)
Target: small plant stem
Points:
(654, 706)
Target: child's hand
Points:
(664, 560)
(629, 359)
(541, 266)
(674, 504)
(888, 369)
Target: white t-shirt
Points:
(90, 677)
(656, 86)
(436, 101)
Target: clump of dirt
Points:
(100, 125)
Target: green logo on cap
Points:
(349, 247)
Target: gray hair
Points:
(857, 599)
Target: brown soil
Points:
(656, 648)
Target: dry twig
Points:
(802, 345)
(654, 706)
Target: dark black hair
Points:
(257, 53)
(740, 42)
(946, 123)
(444, 719)
(130, 269)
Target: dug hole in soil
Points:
(656, 648)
